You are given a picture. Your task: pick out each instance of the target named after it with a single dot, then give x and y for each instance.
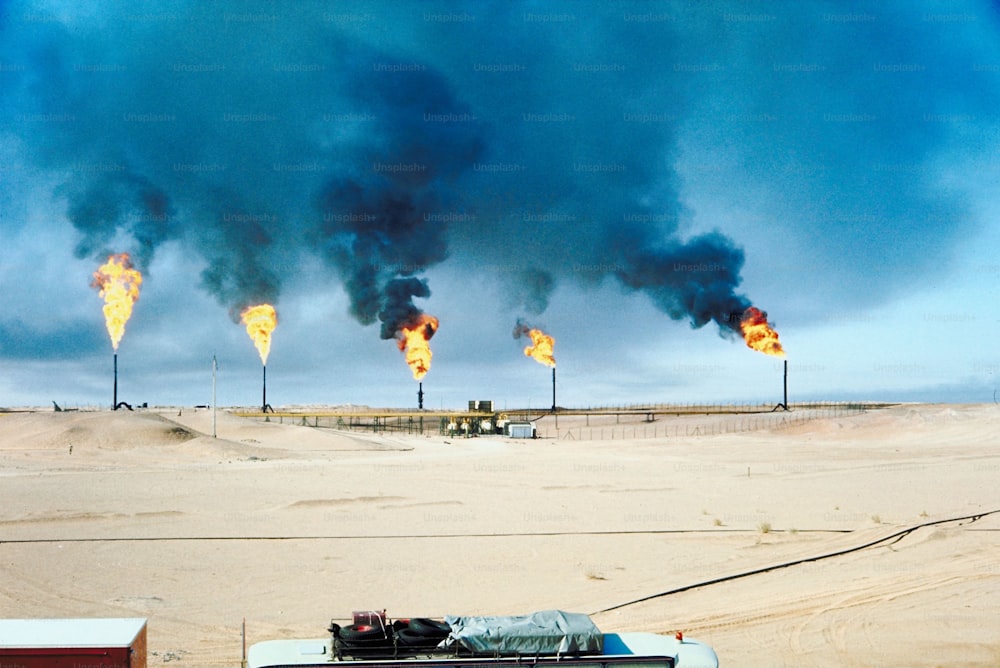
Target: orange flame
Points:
(414, 340)
(541, 348)
(260, 321)
(758, 334)
(118, 283)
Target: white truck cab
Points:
(533, 641)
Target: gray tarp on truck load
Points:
(545, 632)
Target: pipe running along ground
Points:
(893, 537)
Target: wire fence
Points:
(378, 424)
(844, 407)
(627, 421)
(713, 421)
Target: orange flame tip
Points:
(118, 283)
(414, 338)
(260, 321)
(758, 333)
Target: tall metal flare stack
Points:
(553, 389)
(784, 400)
(786, 386)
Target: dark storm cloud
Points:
(547, 137)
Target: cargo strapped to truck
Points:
(548, 632)
(552, 633)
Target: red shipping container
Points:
(73, 643)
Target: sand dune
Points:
(145, 513)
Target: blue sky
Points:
(625, 175)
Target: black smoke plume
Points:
(387, 220)
(695, 279)
(100, 204)
(387, 142)
(521, 328)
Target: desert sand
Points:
(122, 514)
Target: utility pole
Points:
(215, 367)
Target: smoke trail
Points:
(397, 307)
(521, 328)
(98, 206)
(389, 142)
(824, 137)
(384, 223)
(532, 289)
(158, 138)
(695, 279)
(542, 345)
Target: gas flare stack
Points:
(117, 282)
(264, 406)
(260, 321)
(420, 396)
(784, 402)
(760, 336)
(541, 350)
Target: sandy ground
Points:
(145, 514)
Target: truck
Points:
(548, 638)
